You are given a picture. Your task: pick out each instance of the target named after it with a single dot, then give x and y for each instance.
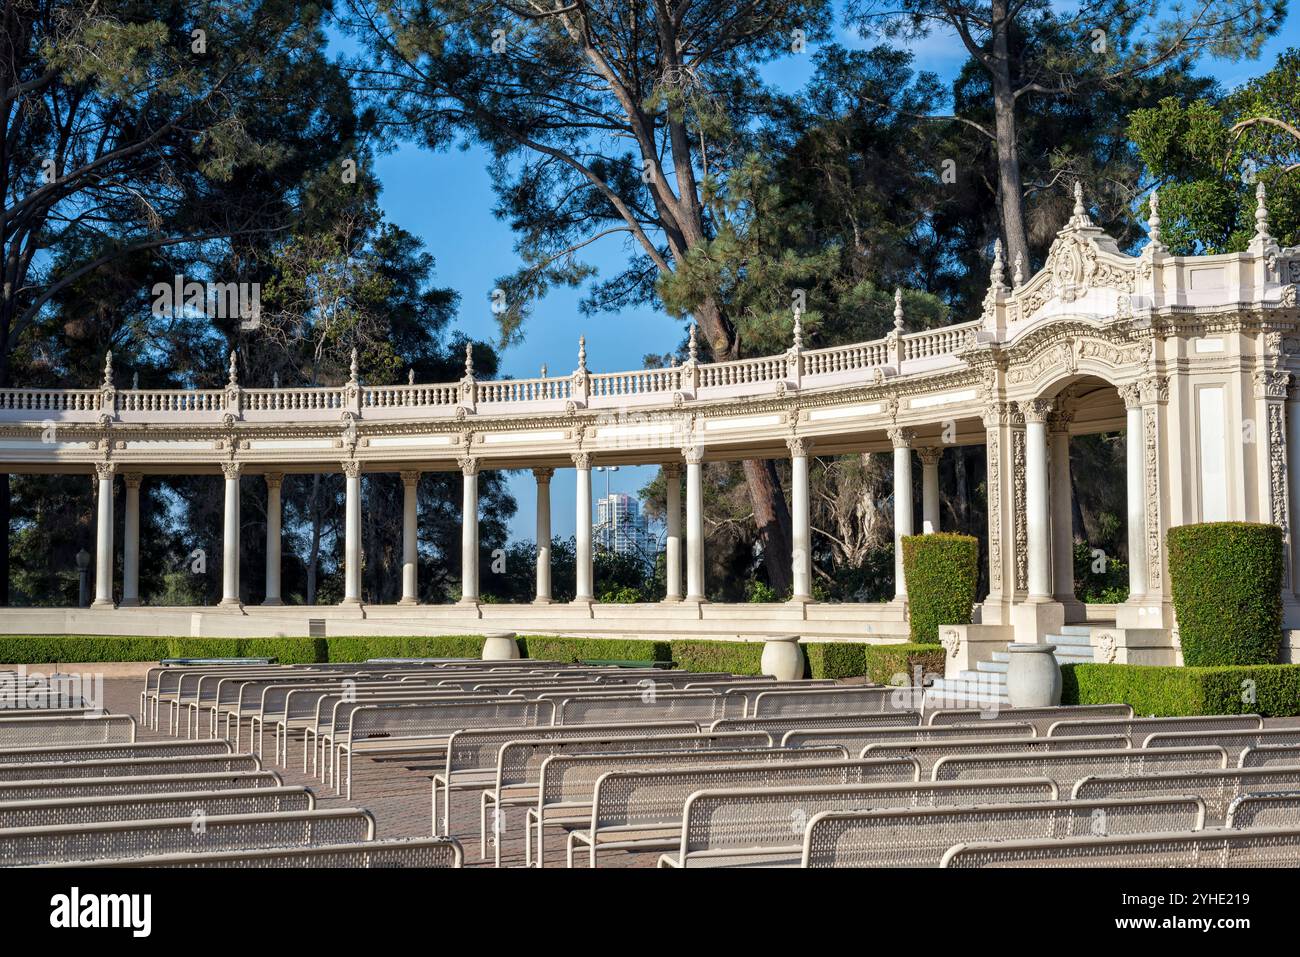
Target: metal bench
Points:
(1270, 756)
(1066, 767)
(1265, 810)
(71, 843)
(567, 782)
(53, 789)
(137, 807)
(777, 727)
(1266, 847)
(1138, 728)
(473, 754)
(927, 753)
(1234, 742)
(643, 810)
(855, 739)
(425, 728)
(921, 837)
(1041, 718)
(1217, 789)
(727, 826)
(108, 752)
(175, 686)
(640, 708)
(125, 767)
(839, 701)
(66, 729)
(419, 852)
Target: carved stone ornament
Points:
(951, 641)
(1104, 650)
(468, 465)
(351, 468)
(231, 470)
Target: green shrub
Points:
(554, 648)
(942, 573)
(836, 659)
(415, 646)
(285, 650)
(886, 661)
(738, 657)
(43, 649)
(1227, 585)
(1270, 690)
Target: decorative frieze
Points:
(1018, 511)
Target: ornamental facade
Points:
(1194, 358)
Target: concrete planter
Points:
(782, 657)
(500, 647)
(1033, 676)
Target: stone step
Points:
(992, 666)
(1076, 630)
(989, 678)
(1002, 656)
(1070, 640)
(967, 688)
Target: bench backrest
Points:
(1270, 847)
(1234, 742)
(520, 761)
(777, 727)
(781, 703)
(138, 807)
(931, 751)
(51, 789)
(119, 839)
(109, 752)
(685, 705)
(481, 747)
(573, 777)
(855, 739)
(66, 729)
(723, 818)
(421, 852)
(1217, 789)
(433, 720)
(337, 713)
(275, 697)
(1066, 767)
(124, 767)
(1041, 718)
(1281, 809)
(206, 687)
(623, 798)
(1270, 756)
(920, 837)
(1139, 728)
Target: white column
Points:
(352, 535)
(902, 441)
(694, 523)
(131, 542)
(1137, 533)
(673, 539)
(274, 481)
(410, 538)
(1038, 529)
(543, 478)
(230, 538)
(583, 588)
(1062, 508)
(800, 524)
(469, 532)
(929, 489)
(104, 537)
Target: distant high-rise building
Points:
(621, 528)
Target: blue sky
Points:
(446, 199)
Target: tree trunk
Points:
(1010, 187)
(313, 554)
(773, 518)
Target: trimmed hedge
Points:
(942, 573)
(423, 646)
(1270, 690)
(885, 661)
(737, 657)
(1227, 588)
(43, 649)
(554, 648)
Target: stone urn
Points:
(1033, 676)
(500, 647)
(782, 657)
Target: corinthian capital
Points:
(901, 438)
(231, 470)
(1036, 410)
(468, 465)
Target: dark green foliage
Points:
(552, 648)
(886, 661)
(431, 646)
(942, 572)
(43, 649)
(1270, 690)
(738, 657)
(1227, 581)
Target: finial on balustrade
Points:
(582, 353)
(997, 274)
(234, 369)
(1018, 276)
(135, 382)
(1261, 215)
(354, 368)
(1153, 221)
(692, 348)
(108, 369)
(275, 380)
(898, 310)
(410, 376)
(1080, 217)
(543, 370)
(798, 328)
